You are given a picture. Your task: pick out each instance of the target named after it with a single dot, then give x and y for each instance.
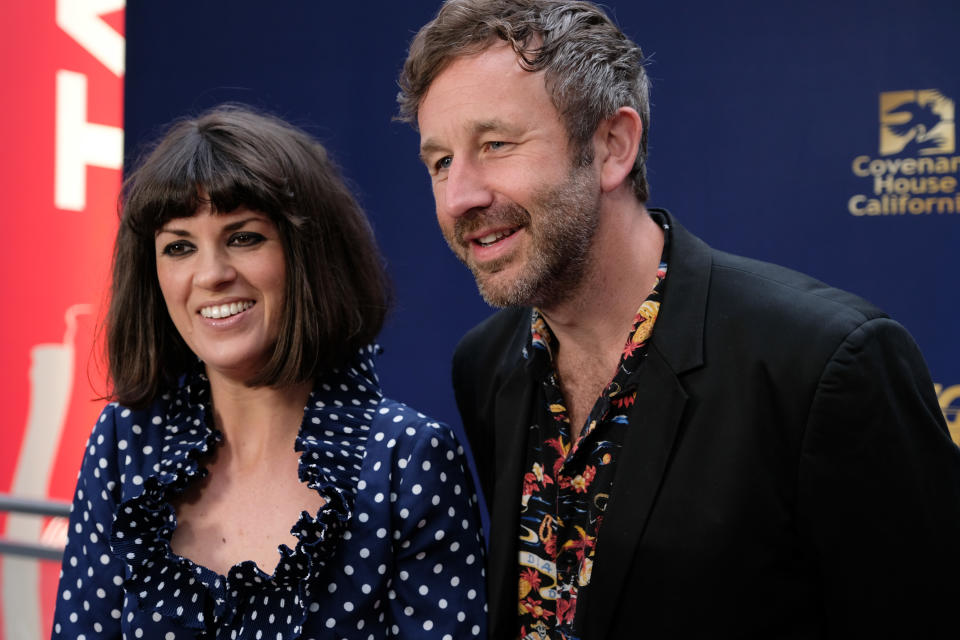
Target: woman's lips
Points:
(220, 311)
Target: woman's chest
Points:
(222, 520)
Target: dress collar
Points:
(332, 442)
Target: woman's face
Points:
(223, 278)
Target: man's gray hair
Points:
(592, 68)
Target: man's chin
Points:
(496, 299)
(489, 267)
(498, 289)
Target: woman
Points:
(246, 291)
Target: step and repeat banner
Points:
(821, 137)
(62, 69)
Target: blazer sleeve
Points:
(879, 490)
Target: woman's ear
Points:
(616, 144)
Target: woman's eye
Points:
(246, 239)
(177, 248)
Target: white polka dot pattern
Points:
(396, 552)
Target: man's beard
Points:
(560, 229)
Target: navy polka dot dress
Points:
(394, 553)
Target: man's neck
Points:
(592, 324)
(622, 271)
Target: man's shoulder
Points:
(505, 328)
(762, 288)
(714, 298)
(737, 287)
(492, 347)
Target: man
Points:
(674, 441)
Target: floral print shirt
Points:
(567, 484)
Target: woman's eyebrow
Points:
(175, 231)
(233, 226)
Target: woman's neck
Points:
(257, 423)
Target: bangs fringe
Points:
(205, 169)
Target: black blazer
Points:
(787, 473)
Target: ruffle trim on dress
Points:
(332, 442)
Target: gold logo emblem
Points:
(949, 398)
(916, 123)
(917, 172)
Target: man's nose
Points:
(214, 269)
(466, 188)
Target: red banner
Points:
(62, 63)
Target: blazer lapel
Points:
(676, 347)
(641, 467)
(513, 404)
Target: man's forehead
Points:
(480, 92)
(495, 48)
(492, 67)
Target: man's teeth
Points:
(490, 238)
(226, 310)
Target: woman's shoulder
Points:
(132, 444)
(119, 430)
(147, 423)
(404, 426)
(425, 455)
(121, 419)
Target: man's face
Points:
(510, 202)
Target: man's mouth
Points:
(225, 310)
(494, 237)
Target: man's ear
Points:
(616, 143)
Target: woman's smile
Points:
(226, 310)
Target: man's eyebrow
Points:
(486, 126)
(480, 127)
(428, 147)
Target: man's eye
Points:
(443, 163)
(246, 239)
(177, 248)
(495, 144)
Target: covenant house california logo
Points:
(917, 170)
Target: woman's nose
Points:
(214, 269)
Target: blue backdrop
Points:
(764, 114)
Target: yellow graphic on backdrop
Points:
(949, 399)
(916, 172)
(916, 123)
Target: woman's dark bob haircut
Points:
(337, 292)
